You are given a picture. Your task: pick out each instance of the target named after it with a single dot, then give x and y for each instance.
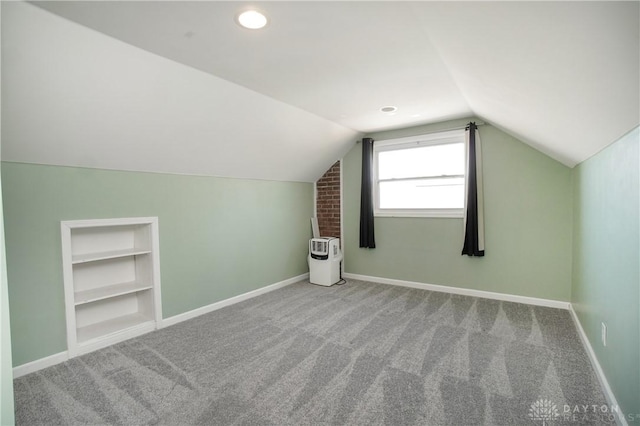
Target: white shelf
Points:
(104, 328)
(93, 295)
(112, 280)
(104, 255)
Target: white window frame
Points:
(439, 138)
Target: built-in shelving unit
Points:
(112, 280)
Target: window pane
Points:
(422, 194)
(436, 160)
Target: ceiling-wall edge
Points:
(76, 97)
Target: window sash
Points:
(454, 137)
(422, 178)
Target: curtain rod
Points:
(464, 126)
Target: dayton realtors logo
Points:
(543, 411)
(591, 413)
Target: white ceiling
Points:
(72, 96)
(561, 76)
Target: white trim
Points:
(75, 347)
(113, 338)
(411, 142)
(342, 215)
(315, 199)
(90, 223)
(39, 364)
(464, 291)
(60, 357)
(67, 274)
(233, 300)
(436, 213)
(156, 279)
(604, 384)
(433, 138)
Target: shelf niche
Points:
(112, 280)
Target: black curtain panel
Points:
(367, 237)
(474, 200)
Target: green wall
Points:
(527, 224)
(606, 262)
(219, 238)
(6, 373)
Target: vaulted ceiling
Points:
(563, 77)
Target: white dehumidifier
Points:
(324, 260)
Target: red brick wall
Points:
(328, 202)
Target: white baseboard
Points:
(60, 357)
(464, 291)
(604, 384)
(113, 338)
(39, 364)
(236, 299)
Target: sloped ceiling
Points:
(563, 77)
(75, 97)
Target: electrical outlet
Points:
(604, 334)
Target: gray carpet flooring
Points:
(361, 353)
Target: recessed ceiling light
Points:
(252, 19)
(389, 109)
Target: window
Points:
(420, 176)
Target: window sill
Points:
(435, 213)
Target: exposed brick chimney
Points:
(328, 202)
